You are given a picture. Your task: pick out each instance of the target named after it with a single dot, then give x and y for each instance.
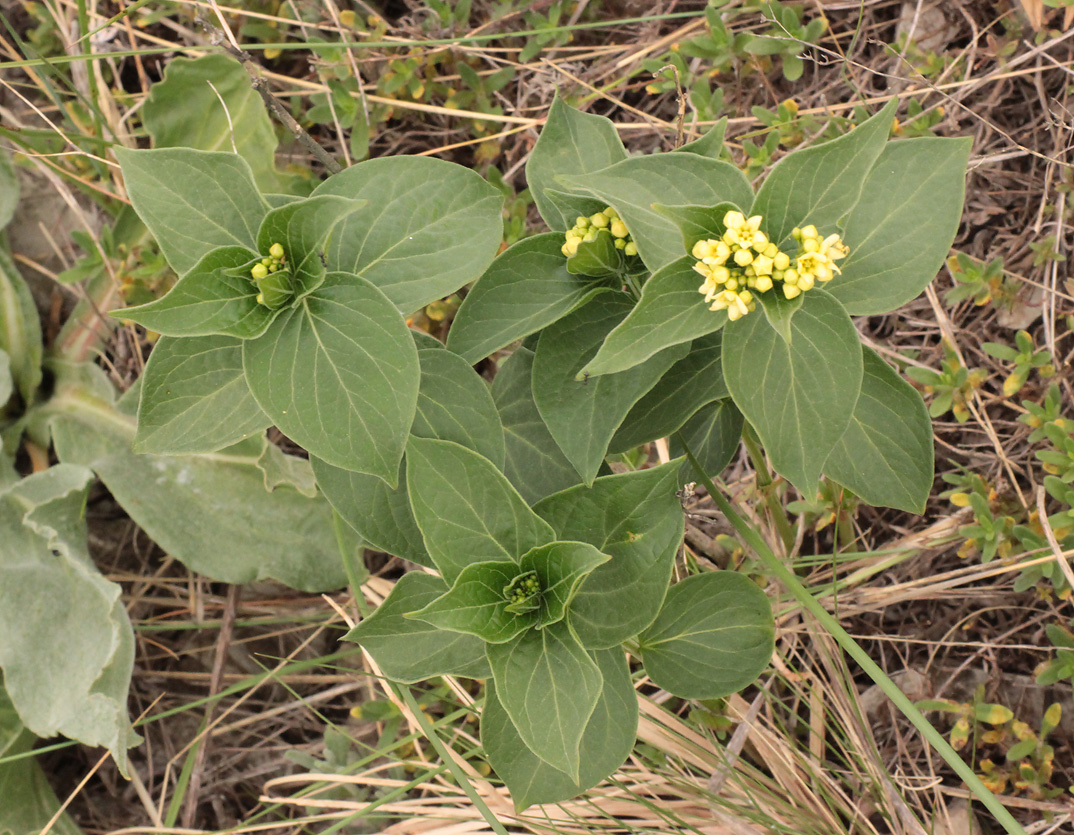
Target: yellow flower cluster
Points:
(586, 229)
(743, 262)
(273, 284)
(272, 264)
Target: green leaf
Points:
(820, 185)
(713, 435)
(20, 328)
(209, 103)
(885, 455)
(68, 647)
(671, 311)
(799, 396)
(195, 398)
(430, 227)
(697, 223)
(339, 375)
(597, 258)
(525, 289)
(583, 414)
(714, 635)
(534, 464)
(902, 228)
(9, 189)
(217, 296)
(454, 404)
(549, 686)
(409, 650)
(476, 605)
(466, 509)
(710, 144)
(193, 201)
(694, 381)
(211, 512)
(632, 186)
(304, 228)
(29, 801)
(560, 568)
(637, 519)
(779, 310)
(571, 144)
(606, 742)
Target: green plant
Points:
(952, 387)
(1026, 357)
(542, 566)
(983, 283)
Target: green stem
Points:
(851, 647)
(764, 483)
(445, 755)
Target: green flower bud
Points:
(259, 271)
(630, 249)
(276, 251)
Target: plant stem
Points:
(854, 650)
(764, 483)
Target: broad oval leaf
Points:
(525, 289)
(339, 375)
(607, 740)
(409, 650)
(571, 144)
(466, 509)
(821, 184)
(210, 299)
(799, 396)
(208, 103)
(534, 464)
(583, 414)
(902, 228)
(35, 807)
(193, 201)
(194, 397)
(637, 519)
(694, 381)
(454, 404)
(430, 227)
(68, 647)
(885, 456)
(634, 185)
(549, 686)
(714, 635)
(670, 311)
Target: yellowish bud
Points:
(630, 249)
(790, 291)
(743, 257)
(599, 220)
(618, 228)
(276, 251)
(259, 271)
(764, 284)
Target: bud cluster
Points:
(743, 262)
(521, 589)
(587, 228)
(273, 283)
